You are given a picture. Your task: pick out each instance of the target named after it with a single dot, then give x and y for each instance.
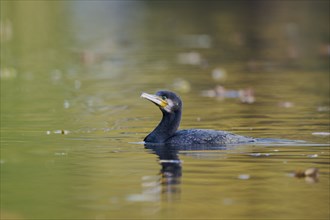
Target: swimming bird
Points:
(167, 130)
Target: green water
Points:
(71, 118)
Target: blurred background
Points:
(71, 76)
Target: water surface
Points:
(72, 121)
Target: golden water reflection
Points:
(71, 76)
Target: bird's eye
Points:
(164, 97)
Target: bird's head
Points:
(167, 101)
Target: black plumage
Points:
(167, 130)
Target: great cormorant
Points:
(167, 130)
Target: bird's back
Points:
(206, 136)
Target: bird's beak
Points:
(155, 99)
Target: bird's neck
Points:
(166, 128)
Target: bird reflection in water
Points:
(171, 169)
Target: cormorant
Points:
(167, 130)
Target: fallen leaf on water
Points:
(8, 73)
(219, 74)
(220, 92)
(65, 132)
(244, 176)
(181, 85)
(321, 133)
(310, 175)
(323, 108)
(286, 104)
(191, 58)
